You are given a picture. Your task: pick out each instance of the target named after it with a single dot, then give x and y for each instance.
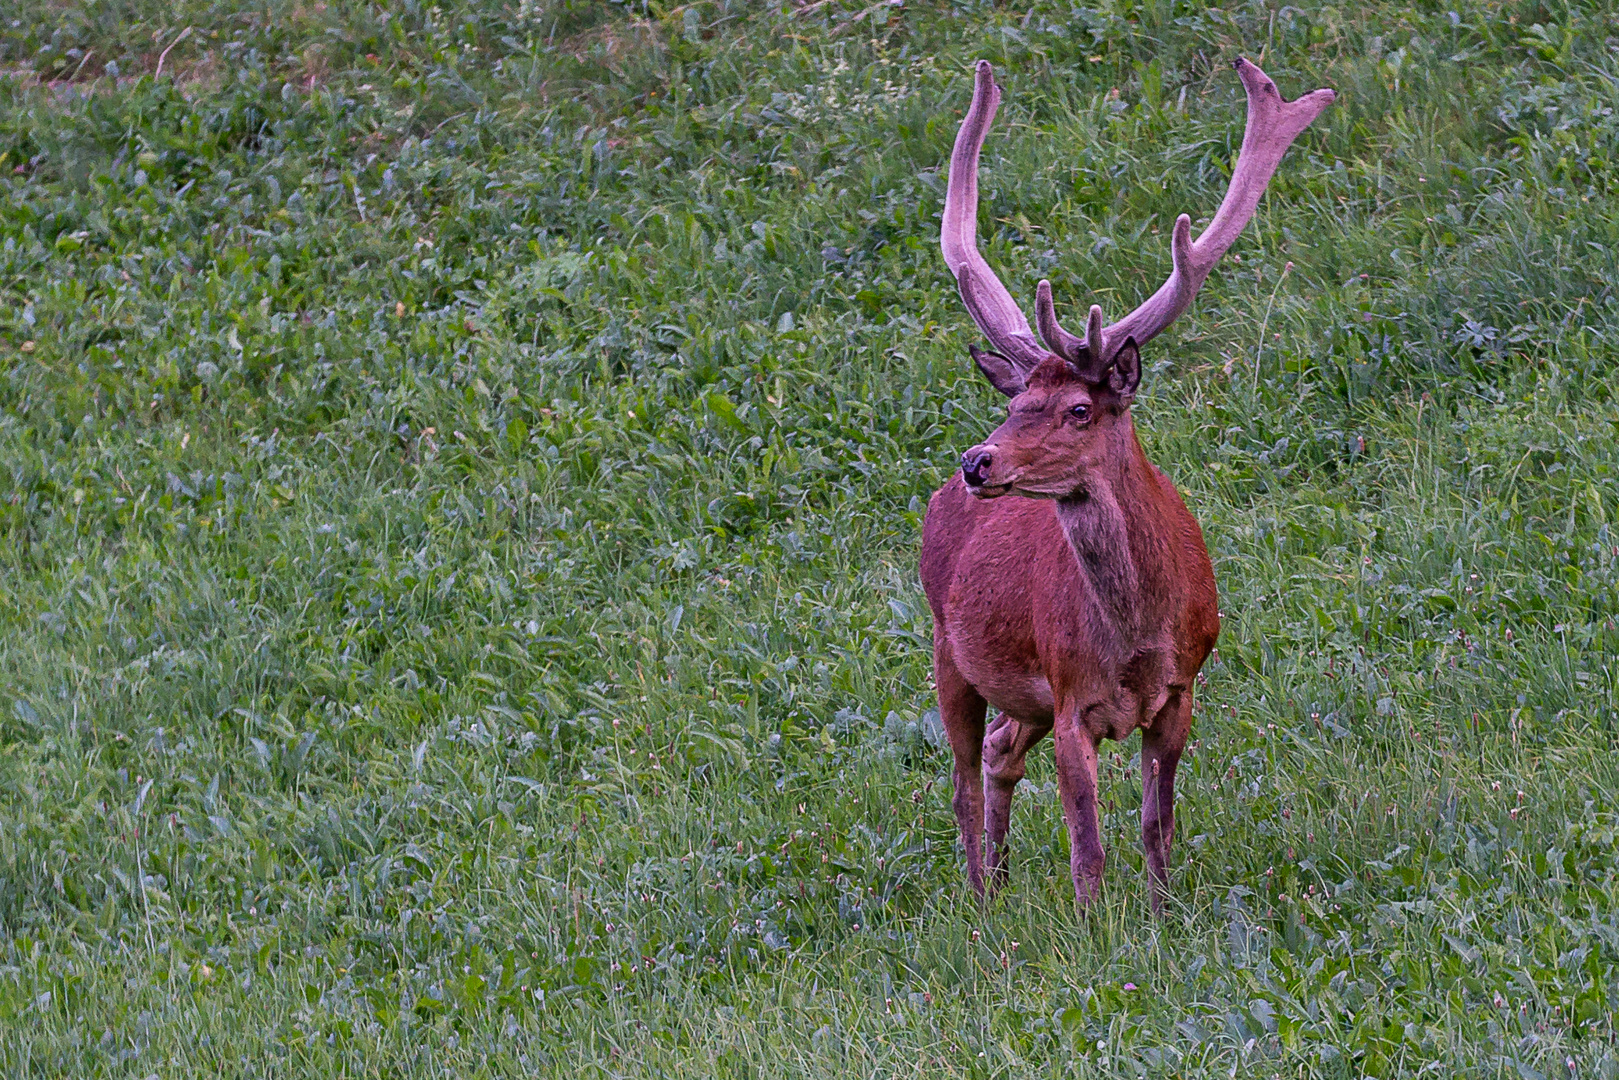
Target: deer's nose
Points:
(975, 465)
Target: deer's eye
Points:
(1081, 413)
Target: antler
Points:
(1273, 124)
(987, 300)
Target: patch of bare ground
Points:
(610, 44)
(195, 74)
(607, 47)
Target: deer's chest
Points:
(1048, 633)
(1112, 695)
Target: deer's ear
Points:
(1126, 374)
(1002, 374)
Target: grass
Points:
(463, 475)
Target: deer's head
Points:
(1071, 396)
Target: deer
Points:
(1085, 606)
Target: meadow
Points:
(461, 474)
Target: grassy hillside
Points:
(462, 478)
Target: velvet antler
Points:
(1273, 124)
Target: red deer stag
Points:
(1087, 607)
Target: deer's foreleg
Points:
(1161, 746)
(1076, 782)
(1007, 742)
(961, 708)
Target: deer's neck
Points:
(1115, 528)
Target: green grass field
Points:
(462, 479)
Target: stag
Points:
(1085, 608)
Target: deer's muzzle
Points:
(975, 466)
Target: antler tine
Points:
(987, 300)
(1058, 340)
(1272, 126)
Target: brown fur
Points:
(1085, 608)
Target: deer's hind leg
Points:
(1007, 742)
